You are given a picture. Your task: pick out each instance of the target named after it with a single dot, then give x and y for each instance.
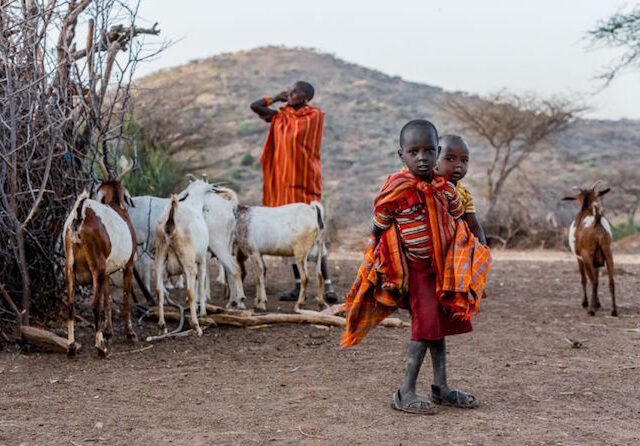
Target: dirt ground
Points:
(292, 384)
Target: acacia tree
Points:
(62, 102)
(625, 180)
(621, 30)
(514, 127)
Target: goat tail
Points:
(597, 215)
(77, 212)
(170, 224)
(319, 212)
(320, 239)
(227, 194)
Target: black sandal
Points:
(290, 296)
(454, 398)
(418, 406)
(331, 297)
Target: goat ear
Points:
(124, 198)
(128, 200)
(603, 191)
(568, 198)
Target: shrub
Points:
(156, 174)
(247, 160)
(624, 229)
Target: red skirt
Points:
(428, 321)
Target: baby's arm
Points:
(470, 216)
(475, 227)
(456, 209)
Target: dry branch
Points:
(514, 127)
(248, 319)
(58, 108)
(45, 339)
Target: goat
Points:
(590, 241)
(289, 230)
(144, 217)
(220, 210)
(98, 241)
(182, 242)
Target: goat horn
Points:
(191, 176)
(103, 170)
(126, 170)
(596, 184)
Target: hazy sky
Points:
(477, 46)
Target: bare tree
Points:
(60, 106)
(513, 126)
(624, 179)
(621, 30)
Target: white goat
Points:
(290, 230)
(220, 210)
(144, 218)
(182, 242)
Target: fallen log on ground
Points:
(46, 339)
(244, 318)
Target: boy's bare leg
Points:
(439, 361)
(441, 393)
(415, 357)
(405, 398)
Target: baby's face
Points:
(453, 162)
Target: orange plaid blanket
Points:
(462, 267)
(379, 289)
(464, 277)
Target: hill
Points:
(205, 105)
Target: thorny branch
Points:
(59, 108)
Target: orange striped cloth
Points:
(379, 289)
(291, 157)
(461, 263)
(407, 212)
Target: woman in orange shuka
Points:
(291, 167)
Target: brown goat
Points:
(590, 241)
(98, 241)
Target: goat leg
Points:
(260, 304)
(108, 326)
(98, 311)
(301, 262)
(612, 286)
(320, 297)
(594, 292)
(583, 278)
(127, 300)
(192, 297)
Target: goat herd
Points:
(177, 235)
(113, 231)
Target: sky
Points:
(460, 45)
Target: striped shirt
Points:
(409, 215)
